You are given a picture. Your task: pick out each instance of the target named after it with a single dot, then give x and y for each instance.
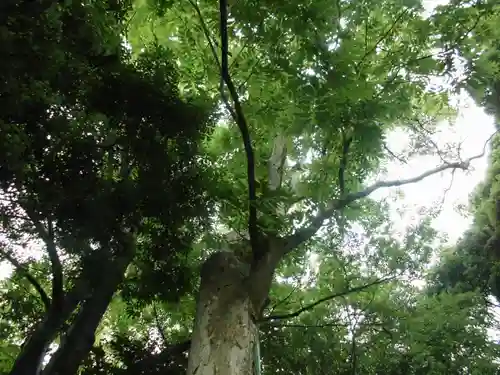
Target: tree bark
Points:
(29, 361)
(224, 333)
(81, 336)
(229, 301)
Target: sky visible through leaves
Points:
(385, 249)
(442, 192)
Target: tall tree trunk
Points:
(30, 360)
(224, 332)
(80, 338)
(229, 301)
(232, 295)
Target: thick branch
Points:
(236, 113)
(306, 233)
(81, 335)
(325, 299)
(21, 269)
(277, 162)
(57, 274)
(242, 124)
(47, 236)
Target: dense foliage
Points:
(123, 168)
(100, 162)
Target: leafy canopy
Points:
(327, 80)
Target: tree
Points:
(392, 330)
(386, 327)
(314, 101)
(309, 96)
(472, 264)
(100, 163)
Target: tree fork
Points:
(229, 303)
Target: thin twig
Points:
(391, 153)
(322, 325)
(381, 39)
(282, 301)
(206, 32)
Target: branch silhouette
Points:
(325, 299)
(304, 234)
(21, 269)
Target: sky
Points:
(472, 129)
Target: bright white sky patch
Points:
(472, 129)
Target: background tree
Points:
(472, 264)
(99, 163)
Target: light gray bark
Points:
(224, 334)
(233, 290)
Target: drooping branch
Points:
(21, 269)
(304, 234)
(47, 236)
(325, 299)
(239, 117)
